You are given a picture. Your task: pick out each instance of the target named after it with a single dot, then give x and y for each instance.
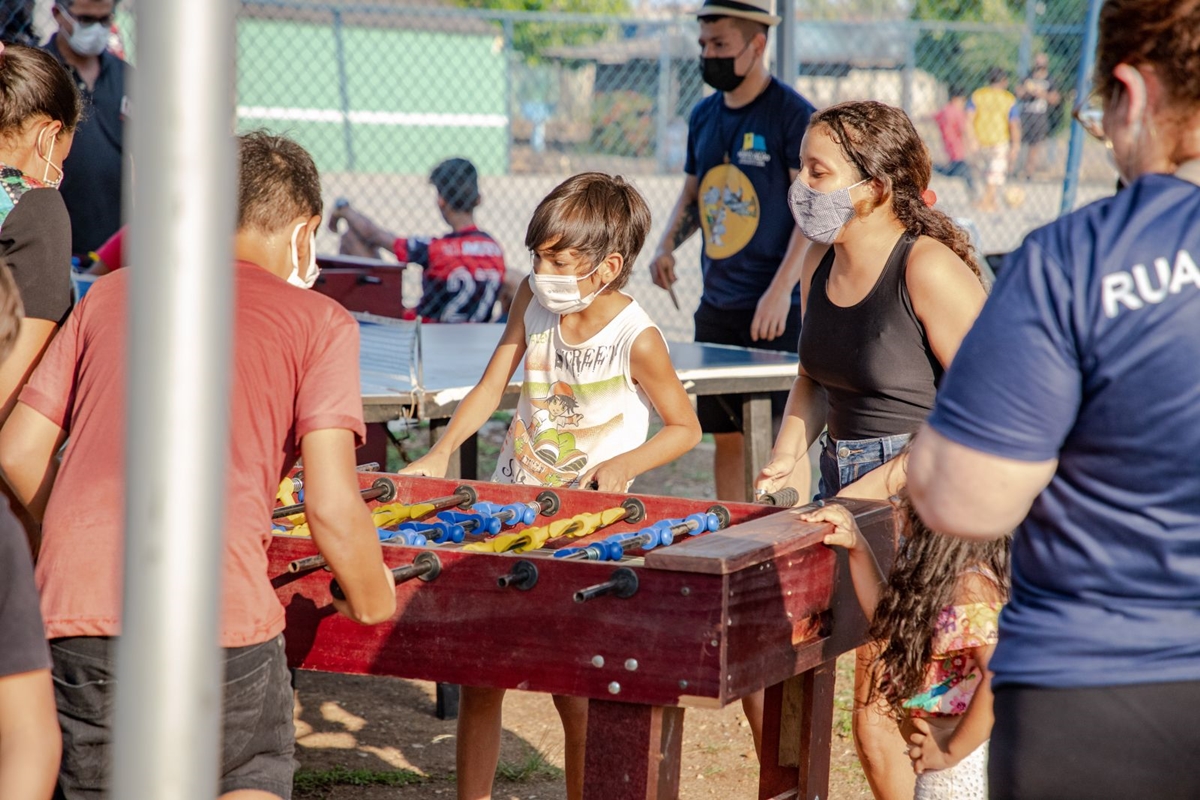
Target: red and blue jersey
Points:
(463, 273)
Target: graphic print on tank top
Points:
(577, 407)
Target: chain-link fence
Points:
(380, 93)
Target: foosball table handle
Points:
(786, 497)
(622, 584)
(524, 576)
(426, 566)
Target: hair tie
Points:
(929, 197)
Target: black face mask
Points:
(720, 74)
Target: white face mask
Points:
(559, 294)
(87, 40)
(312, 270)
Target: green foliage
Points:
(532, 39)
(963, 57)
(315, 783)
(534, 765)
(623, 124)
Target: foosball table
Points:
(645, 605)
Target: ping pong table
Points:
(422, 372)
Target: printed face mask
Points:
(559, 294)
(310, 275)
(721, 73)
(821, 215)
(87, 40)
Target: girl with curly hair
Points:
(936, 617)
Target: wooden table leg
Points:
(375, 448)
(797, 729)
(632, 751)
(758, 436)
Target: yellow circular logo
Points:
(729, 211)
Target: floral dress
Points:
(953, 675)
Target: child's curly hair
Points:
(925, 579)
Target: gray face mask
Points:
(820, 216)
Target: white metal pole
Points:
(169, 666)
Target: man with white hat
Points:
(743, 154)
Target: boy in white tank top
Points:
(594, 364)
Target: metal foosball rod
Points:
(412, 534)
(426, 566)
(382, 490)
(623, 584)
(631, 510)
(660, 534)
(546, 504)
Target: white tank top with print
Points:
(579, 406)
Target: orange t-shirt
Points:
(296, 371)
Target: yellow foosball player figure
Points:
(295, 392)
(594, 365)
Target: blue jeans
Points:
(846, 461)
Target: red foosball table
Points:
(731, 599)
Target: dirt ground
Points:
(375, 738)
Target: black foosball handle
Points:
(786, 497)
(622, 584)
(425, 566)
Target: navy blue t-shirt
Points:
(1088, 351)
(742, 157)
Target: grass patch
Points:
(533, 766)
(314, 782)
(843, 697)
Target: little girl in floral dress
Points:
(936, 620)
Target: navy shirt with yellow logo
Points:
(743, 157)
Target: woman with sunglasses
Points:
(1073, 411)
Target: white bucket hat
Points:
(757, 10)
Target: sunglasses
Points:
(1090, 116)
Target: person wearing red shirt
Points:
(295, 392)
(463, 274)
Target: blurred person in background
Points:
(463, 272)
(993, 134)
(1038, 97)
(92, 186)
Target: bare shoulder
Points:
(935, 274)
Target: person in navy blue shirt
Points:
(1072, 413)
(743, 153)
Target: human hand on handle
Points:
(775, 474)
(611, 476)
(342, 606)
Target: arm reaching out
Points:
(864, 569)
(651, 369)
(481, 401)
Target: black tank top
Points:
(873, 358)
